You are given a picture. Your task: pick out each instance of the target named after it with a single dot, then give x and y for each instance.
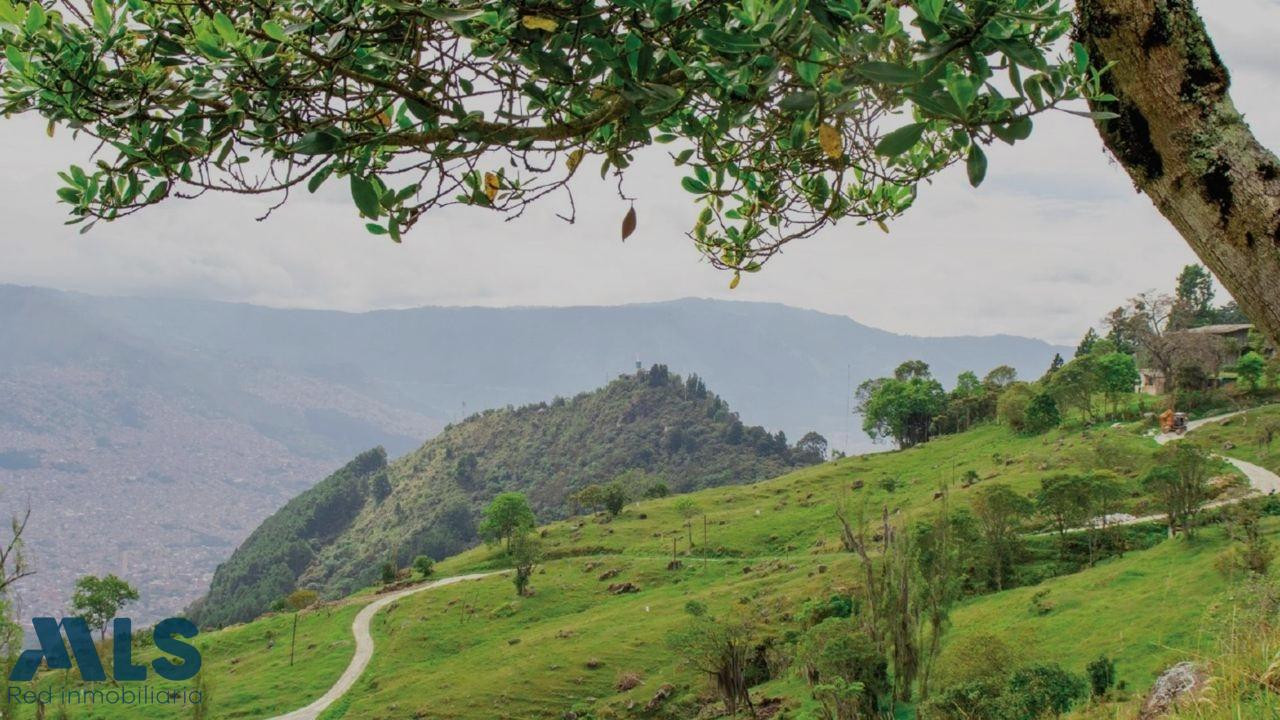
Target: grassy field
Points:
(1242, 433)
(475, 650)
(245, 669)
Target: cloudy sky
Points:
(1053, 239)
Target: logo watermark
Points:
(183, 663)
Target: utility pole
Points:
(704, 541)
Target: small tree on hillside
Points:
(526, 553)
(1000, 512)
(424, 566)
(849, 677)
(1180, 484)
(1064, 500)
(1042, 414)
(614, 497)
(688, 510)
(1117, 376)
(388, 572)
(1250, 368)
(589, 498)
(812, 448)
(507, 515)
(298, 600)
(98, 599)
(720, 648)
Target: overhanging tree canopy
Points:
(789, 114)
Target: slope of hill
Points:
(336, 536)
(474, 650)
(221, 412)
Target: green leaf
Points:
(16, 59)
(451, 14)
(1082, 57)
(976, 164)
(887, 73)
(900, 140)
(274, 30)
(366, 197)
(693, 185)
(930, 10)
(225, 27)
(375, 228)
(102, 19)
(797, 102)
(319, 142)
(35, 18)
(1095, 115)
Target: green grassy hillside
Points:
(334, 537)
(771, 549)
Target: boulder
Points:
(1178, 684)
(660, 697)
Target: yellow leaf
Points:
(831, 141)
(575, 157)
(883, 227)
(737, 278)
(536, 22)
(384, 119)
(491, 185)
(49, 129)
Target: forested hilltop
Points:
(653, 432)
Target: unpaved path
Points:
(1261, 479)
(364, 646)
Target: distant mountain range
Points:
(151, 436)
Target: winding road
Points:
(1262, 480)
(364, 646)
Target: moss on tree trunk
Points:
(1186, 146)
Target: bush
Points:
(424, 566)
(1102, 676)
(845, 671)
(1041, 690)
(981, 657)
(1042, 414)
(836, 606)
(388, 573)
(1011, 408)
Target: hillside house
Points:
(1234, 339)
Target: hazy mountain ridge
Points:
(214, 414)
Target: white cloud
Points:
(1054, 239)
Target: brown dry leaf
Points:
(629, 223)
(831, 141)
(491, 185)
(883, 226)
(536, 22)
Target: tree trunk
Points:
(1186, 146)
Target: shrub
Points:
(388, 573)
(845, 671)
(1102, 676)
(981, 657)
(424, 566)
(836, 606)
(1042, 414)
(1040, 690)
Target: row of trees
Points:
(912, 406)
